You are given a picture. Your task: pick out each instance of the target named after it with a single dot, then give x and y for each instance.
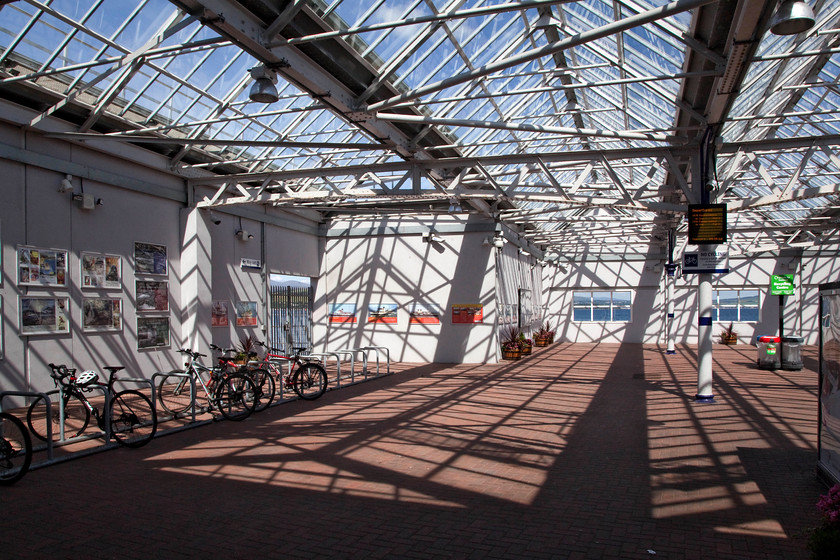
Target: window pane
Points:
(601, 314)
(582, 314)
(728, 299)
(749, 314)
(728, 314)
(621, 314)
(583, 299)
(601, 299)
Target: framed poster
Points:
(342, 313)
(101, 271)
(219, 314)
(44, 315)
(152, 295)
(383, 313)
(246, 313)
(152, 332)
(42, 267)
(150, 259)
(101, 314)
(424, 313)
(463, 313)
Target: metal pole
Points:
(704, 343)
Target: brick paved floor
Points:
(579, 451)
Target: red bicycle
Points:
(305, 376)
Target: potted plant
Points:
(246, 349)
(542, 336)
(511, 345)
(824, 541)
(526, 344)
(728, 335)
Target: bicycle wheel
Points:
(235, 397)
(133, 418)
(310, 381)
(76, 416)
(265, 387)
(175, 393)
(15, 449)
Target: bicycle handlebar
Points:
(191, 353)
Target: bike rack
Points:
(377, 349)
(49, 444)
(176, 374)
(337, 355)
(141, 381)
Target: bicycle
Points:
(309, 379)
(132, 416)
(15, 449)
(232, 394)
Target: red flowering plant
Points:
(824, 542)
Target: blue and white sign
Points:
(250, 263)
(706, 262)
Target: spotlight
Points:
(499, 242)
(244, 235)
(432, 238)
(263, 90)
(214, 217)
(454, 206)
(792, 17)
(66, 184)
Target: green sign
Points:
(781, 285)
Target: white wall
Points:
(368, 263)
(810, 268)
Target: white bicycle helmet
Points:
(86, 378)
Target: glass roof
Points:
(584, 126)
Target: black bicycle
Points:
(15, 449)
(133, 420)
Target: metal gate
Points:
(291, 317)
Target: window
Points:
(601, 306)
(735, 305)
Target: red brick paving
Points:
(579, 451)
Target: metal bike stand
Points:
(379, 349)
(323, 356)
(49, 444)
(140, 381)
(364, 360)
(176, 374)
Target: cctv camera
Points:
(499, 242)
(214, 217)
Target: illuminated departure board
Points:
(706, 224)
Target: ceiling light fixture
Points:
(792, 17)
(263, 90)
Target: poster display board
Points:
(101, 314)
(382, 313)
(342, 313)
(152, 332)
(424, 313)
(100, 271)
(44, 315)
(42, 267)
(829, 402)
(463, 313)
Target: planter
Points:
(526, 349)
(541, 341)
(729, 340)
(511, 354)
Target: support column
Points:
(704, 339)
(196, 280)
(670, 333)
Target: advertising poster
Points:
(150, 259)
(463, 313)
(152, 295)
(44, 315)
(219, 314)
(101, 271)
(246, 314)
(424, 313)
(152, 332)
(101, 314)
(382, 313)
(42, 267)
(342, 313)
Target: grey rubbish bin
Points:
(792, 352)
(768, 352)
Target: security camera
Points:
(499, 242)
(214, 218)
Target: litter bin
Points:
(768, 348)
(792, 352)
